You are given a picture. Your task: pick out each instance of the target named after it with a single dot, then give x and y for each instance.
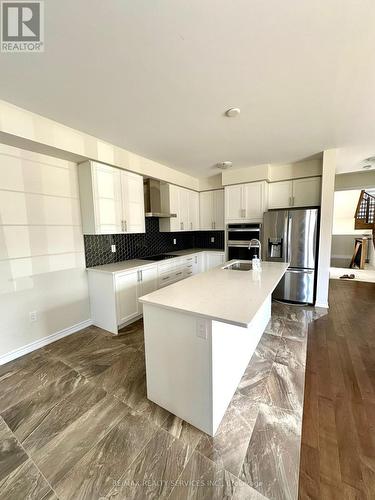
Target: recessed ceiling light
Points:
(223, 165)
(232, 112)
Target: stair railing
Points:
(365, 212)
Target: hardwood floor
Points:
(338, 433)
(75, 423)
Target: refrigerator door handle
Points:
(289, 232)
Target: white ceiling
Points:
(155, 77)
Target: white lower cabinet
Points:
(129, 287)
(199, 263)
(214, 259)
(114, 295)
(127, 296)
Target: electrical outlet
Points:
(113, 248)
(174, 241)
(33, 315)
(202, 329)
(212, 239)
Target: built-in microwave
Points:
(238, 237)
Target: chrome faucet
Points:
(254, 243)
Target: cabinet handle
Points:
(138, 277)
(293, 201)
(191, 225)
(178, 274)
(141, 272)
(181, 225)
(214, 225)
(126, 226)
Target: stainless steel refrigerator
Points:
(292, 236)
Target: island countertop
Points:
(228, 296)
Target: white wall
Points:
(42, 265)
(355, 180)
(274, 172)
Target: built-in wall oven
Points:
(238, 237)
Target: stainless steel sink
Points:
(239, 266)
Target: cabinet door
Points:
(307, 192)
(206, 210)
(133, 203)
(198, 265)
(148, 282)
(193, 224)
(174, 208)
(107, 199)
(280, 194)
(254, 195)
(184, 201)
(234, 206)
(218, 209)
(127, 297)
(213, 260)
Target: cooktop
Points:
(162, 256)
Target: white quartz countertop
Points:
(118, 267)
(223, 295)
(126, 265)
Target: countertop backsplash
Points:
(152, 242)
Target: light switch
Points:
(202, 329)
(174, 241)
(113, 248)
(212, 239)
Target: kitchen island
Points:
(200, 335)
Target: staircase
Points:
(365, 214)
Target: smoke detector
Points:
(223, 165)
(232, 112)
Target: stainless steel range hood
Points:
(153, 202)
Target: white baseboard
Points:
(37, 344)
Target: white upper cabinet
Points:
(295, 193)
(211, 210)
(234, 205)
(184, 209)
(182, 202)
(111, 200)
(281, 194)
(193, 210)
(307, 192)
(219, 209)
(133, 202)
(246, 202)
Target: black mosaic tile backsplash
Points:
(152, 242)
